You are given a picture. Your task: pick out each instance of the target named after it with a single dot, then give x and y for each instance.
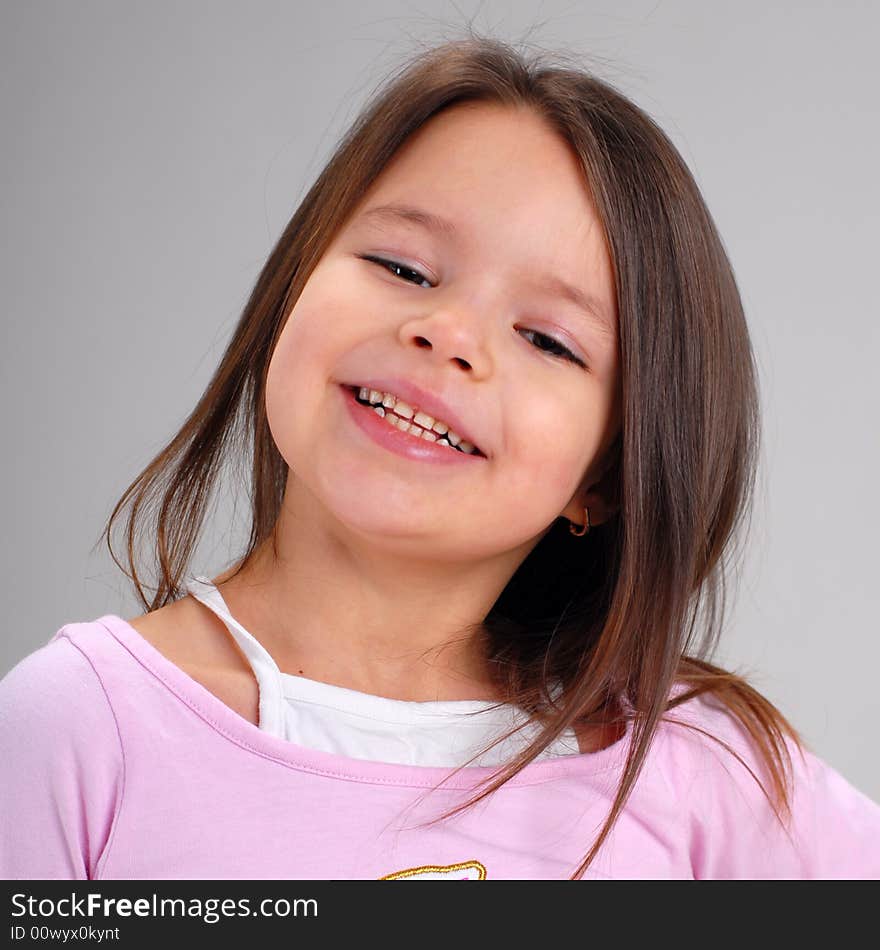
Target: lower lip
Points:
(402, 443)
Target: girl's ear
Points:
(600, 493)
(601, 508)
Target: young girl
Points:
(497, 396)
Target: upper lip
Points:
(421, 399)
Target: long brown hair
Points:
(614, 616)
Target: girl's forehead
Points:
(491, 152)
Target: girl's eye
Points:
(397, 269)
(548, 345)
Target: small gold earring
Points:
(584, 528)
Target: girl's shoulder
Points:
(712, 770)
(63, 763)
(52, 695)
(196, 641)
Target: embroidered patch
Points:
(466, 871)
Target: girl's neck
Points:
(368, 623)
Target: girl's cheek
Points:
(304, 347)
(546, 461)
(560, 442)
(278, 381)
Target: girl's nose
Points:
(451, 337)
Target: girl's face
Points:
(465, 320)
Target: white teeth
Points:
(427, 434)
(398, 412)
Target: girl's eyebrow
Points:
(549, 283)
(398, 212)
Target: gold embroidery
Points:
(466, 871)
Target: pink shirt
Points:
(115, 764)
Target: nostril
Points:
(462, 363)
(422, 342)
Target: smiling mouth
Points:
(412, 420)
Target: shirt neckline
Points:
(245, 734)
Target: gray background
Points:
(152, 153)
